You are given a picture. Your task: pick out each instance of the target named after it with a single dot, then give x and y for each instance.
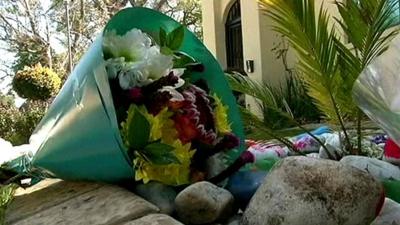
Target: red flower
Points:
(186, 127)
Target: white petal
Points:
(159, 65)
(180, 83)
(132, 46)
(176, 96)
(114, 66)
(125, 80)
(178, 71)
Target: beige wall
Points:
(214, 27)
(258, 38)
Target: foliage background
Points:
(35, 31)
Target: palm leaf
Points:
(253, 88)
(263, 93)
(330, 67)
(366, 23)
(260, 126)
(314, 43)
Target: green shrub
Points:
(30, 115)
(8, 115)
(36, 83)
(17, 125)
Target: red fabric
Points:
(391, 149)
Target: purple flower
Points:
(229, 141)
(136, 95)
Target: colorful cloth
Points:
(392, 152)
(266, 150)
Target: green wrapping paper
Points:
(79, 138)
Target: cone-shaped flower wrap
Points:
(178, 110)
(377, 93)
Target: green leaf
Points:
(183, 60)
(166, 51)
(163, 37)
(175, 38)
(160, 154)
(138, 129)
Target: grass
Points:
(6, 196)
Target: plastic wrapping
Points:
(79, 139)
(377, 91)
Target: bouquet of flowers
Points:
(147, 100)
(169, 125)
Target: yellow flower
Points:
(221, 117)
(172, 174)
(162, 126)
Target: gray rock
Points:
(203, 202)
(235, 220)
(154, 219)
(332, 142)
(390, 214)
(306, 191)
(313, 155)
(215, 165)
(159, 194)
(379, 169)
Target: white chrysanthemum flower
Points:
(134, 75)
(114, 66)
(159, 65)
(132, 46)
(135, 61)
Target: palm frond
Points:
(314, 43)
(259, 125)
(253, 88)
(263, 93)
(330, 67)
(366, 25)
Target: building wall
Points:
(214, 27)
(258, 38)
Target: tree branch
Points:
(159, 5)
(32, 20)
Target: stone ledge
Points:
(154, 219)
(47, 193)
(65, 203)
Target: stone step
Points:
(154, 219)
(67, 203)
(45, 194)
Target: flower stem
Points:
(244, 158)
